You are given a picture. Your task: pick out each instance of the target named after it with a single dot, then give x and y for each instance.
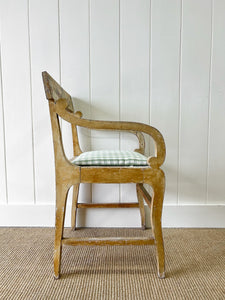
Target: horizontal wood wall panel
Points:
(216, 171)
(17, 100)
(44, 48)
(195, 78)
(164, 87)
(134, 74)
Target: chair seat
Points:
(110, 158)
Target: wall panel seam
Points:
(89, 52)
(90, 96)
(59, 33)
(119, 81)
(209, 102)
(179, 108)
(89, 37)
(150, 60)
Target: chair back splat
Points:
(105, 166)
(55, 92)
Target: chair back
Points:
(54, 92)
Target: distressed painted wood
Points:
(106, 241)
(74, 205)
(141, 207)
(107, 205)
(111, 175)
(68, 175)
(62, 109)
(141, 189)
(60, 44)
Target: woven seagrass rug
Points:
(195, 266)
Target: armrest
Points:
(61, 108)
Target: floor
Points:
(195, 266)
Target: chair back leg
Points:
(61, 197)
(156, 214)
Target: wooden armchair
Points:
(104, 167)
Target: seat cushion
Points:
(110, 158)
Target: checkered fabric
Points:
(110, 158)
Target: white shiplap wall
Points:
(155, 61)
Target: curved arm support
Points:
(74, 118)
(141, 141)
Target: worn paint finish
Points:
(67, 174)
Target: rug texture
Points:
(195, 266)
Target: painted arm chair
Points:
(104, 167)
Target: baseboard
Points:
(200, 216)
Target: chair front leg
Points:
(61, 197)
(156, 213)
(74, 206)
(141, 207)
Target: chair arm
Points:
(61, 108)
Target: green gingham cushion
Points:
(110, 158)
